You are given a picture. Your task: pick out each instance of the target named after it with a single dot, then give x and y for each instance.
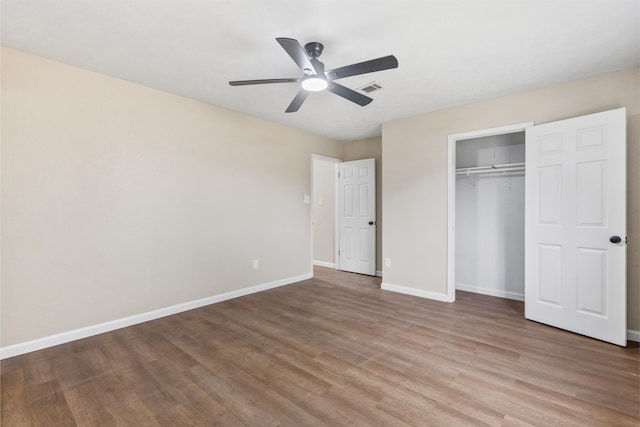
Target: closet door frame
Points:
(451, 185)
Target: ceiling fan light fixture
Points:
(314, 83)
(315, 79)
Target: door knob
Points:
(615, 239)
(371, 222)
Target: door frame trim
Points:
(451, 194)
(335, 182)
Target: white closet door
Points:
(575, 207)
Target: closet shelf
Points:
(508, 167)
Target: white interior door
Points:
(357, 216)
(575, 206)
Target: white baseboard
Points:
(632, 335)
(416, 292)
(493, 292)
(333, 265)
(324, 264)
(76, 334)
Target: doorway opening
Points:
(486, 212)
(343, 214)
(324, 196)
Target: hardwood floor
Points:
(334, 350)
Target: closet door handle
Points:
(615, 239)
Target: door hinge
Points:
(338, 252)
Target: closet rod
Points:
(508, 167)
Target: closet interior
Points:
(490, 215)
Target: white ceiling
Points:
(450, 52)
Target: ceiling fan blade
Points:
(263, 81)
(349, 94)
(379, 64)
(297, 101)
(297, 53)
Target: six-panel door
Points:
(575, 276)
(357, 216)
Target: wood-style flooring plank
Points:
(333, 350)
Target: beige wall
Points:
(367, 149)
(118, 199)
(415, 173)
(324, 211)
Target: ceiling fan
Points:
(315, 77)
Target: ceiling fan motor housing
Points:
(314, 49)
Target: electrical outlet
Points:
(256, 264)
(387, 262)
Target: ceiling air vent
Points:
(370, 87)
